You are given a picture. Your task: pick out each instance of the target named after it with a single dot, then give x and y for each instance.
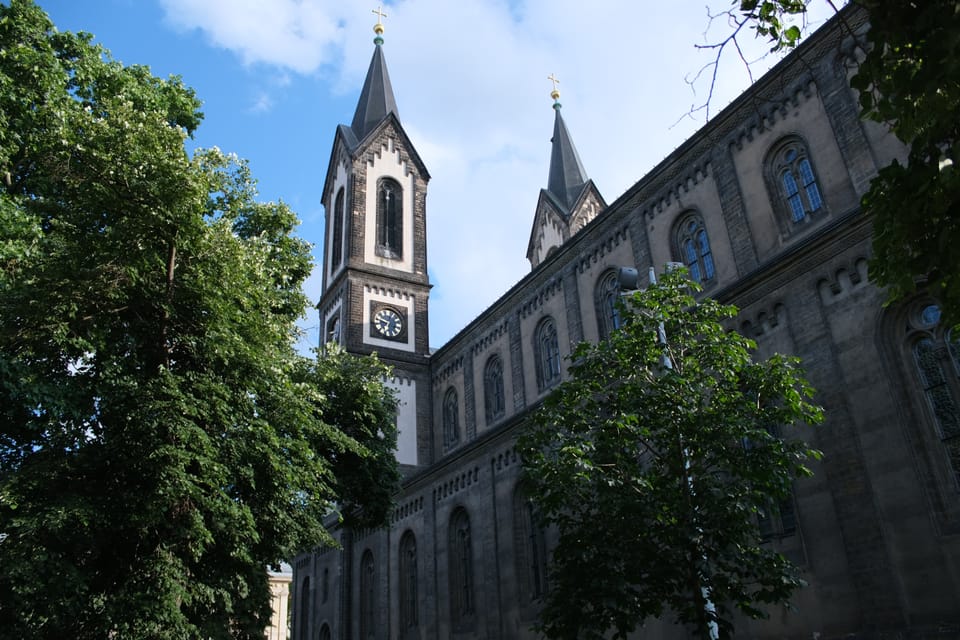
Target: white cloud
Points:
(261, 103)
(470, 78)
(299, 35)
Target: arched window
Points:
(336, 248)
(605, 298)
(493, 389)
(303, 616)
(368, 599)
(409, 618)
(451, 419)
(325, 632)
(462, 603)
(795, 180)
(936, 360)
(693, 248)
(547, 351)
(531, 551)
(333, 329)
(777, 519)
(389, 219)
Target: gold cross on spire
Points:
(378, 28)
(555, 94)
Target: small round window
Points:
(930, 315)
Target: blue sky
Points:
(470, 79)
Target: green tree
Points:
(161, 441)
(654, 462)
(908, 79)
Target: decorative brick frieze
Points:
(604, 245)
(764, 321)
(767, 115)
(489, 338)
(448, 369)
(843, 282)
(505, 459)
(455, 484)
(547, 291)
(662, 194)
(410, 507)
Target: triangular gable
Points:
(587, 206)
(548, 214)
(345, 141)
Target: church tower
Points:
(570, 200)
(375, 283)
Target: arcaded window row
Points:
(530, 565)
(796, 195)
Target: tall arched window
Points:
(693, 247)
(303, 616)
(462, 605)
(333, 329)
(451, 418)
(325, 632)
(605, 300)
(936, 360)
(389, 218)
(336, 248)
(494, 401)
(547, 352)
(796, 181)
(368, 599)
(531, 551)
(409, 618)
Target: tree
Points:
(654, 462)
(908, 79)
(161, 441)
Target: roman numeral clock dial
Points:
(388, 323)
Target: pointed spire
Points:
(567, 175)
(376, 98)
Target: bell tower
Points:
(375, 284)
(571, 199)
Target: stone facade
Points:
(877, 528)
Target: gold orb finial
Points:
(555, 94)
(378, 28)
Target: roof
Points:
(567, 175)
(376, 98)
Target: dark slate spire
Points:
(376, 99)
(567, 175)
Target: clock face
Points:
(388, 323)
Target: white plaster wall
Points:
(406, 390)
(342, 180)
(387, 163)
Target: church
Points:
(763, 207)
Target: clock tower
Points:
(375, 283)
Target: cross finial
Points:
(555, 94)
(378, 28)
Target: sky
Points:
(470, 78)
